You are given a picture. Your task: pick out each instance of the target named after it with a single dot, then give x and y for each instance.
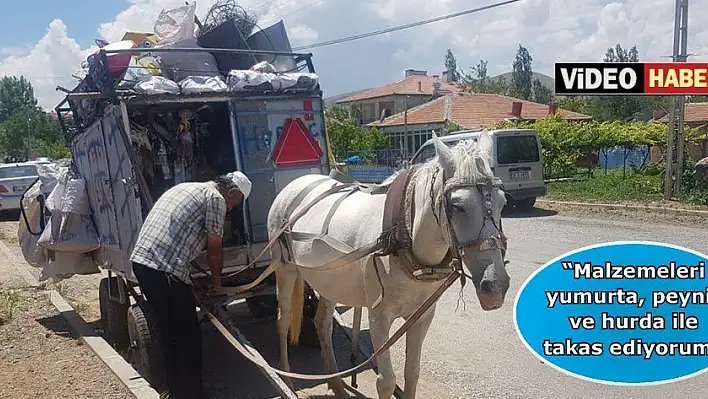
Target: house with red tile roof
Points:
(407, 131)
(696, 116)
(416, 88)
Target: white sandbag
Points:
(29, 227)
(157, 85)
(69, 232)
(70, 228)
(65, 265)
(31, 251)
(203, 84)
(298, 81)
(75, 198)
(247, 80)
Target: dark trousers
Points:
(175, 311)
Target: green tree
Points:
(451, 66)
(541, 93)
(619, 54)
(346, 136)
(16, 94)
(478, 81)
(611, 108)
(522, 75)
(30, 132)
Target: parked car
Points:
(14, 180)
(516, 160)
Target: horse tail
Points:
(297, 305)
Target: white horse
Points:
(451, 204)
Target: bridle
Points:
(443, 204)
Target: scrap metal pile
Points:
(226, 26)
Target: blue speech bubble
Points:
(607, 330)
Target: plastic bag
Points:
(157, 85)
(264, 66)
(203, 84)
(175, 24)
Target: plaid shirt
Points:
(174, 233)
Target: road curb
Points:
(685, 212)
(135, 383)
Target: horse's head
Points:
(469, 202)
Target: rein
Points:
(398, 222)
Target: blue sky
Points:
(23, 23)
(46, 41)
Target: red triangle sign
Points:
(296, 146)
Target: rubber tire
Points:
(526, 204)
(145, 345)
(263, 306)
(114, 315)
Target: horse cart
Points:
(393, 248)
(129, 146)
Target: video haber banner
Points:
(619, 313)
(631, 78)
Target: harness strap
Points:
(286, 225)
(341, 261)
(410, 321)
(393, 211)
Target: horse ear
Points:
(445, 158)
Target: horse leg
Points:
(414, 344)
(379, 327)
(323, 321)
(285, 277)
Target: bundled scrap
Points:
(192, 72)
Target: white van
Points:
(516, 159)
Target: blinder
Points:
(478, 244)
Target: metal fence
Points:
(372, 166)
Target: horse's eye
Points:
(458, 208)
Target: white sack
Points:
(203, 84)
(70, 228)
(63, 265)
(157, 85)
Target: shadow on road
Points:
(10, 216)
(58, 325)
(534, 213)
(227, 374)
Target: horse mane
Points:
(471, 162)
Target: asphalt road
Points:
(469, 353)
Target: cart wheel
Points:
(308, 329)
(113, 314)
(263, 306)
(145, 352)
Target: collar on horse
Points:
(398, 220)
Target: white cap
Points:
(241, 181)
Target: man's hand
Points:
(215, 258)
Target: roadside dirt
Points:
(626, 214)
(39, 354)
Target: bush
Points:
(565, 142)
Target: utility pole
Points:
(675, 141)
